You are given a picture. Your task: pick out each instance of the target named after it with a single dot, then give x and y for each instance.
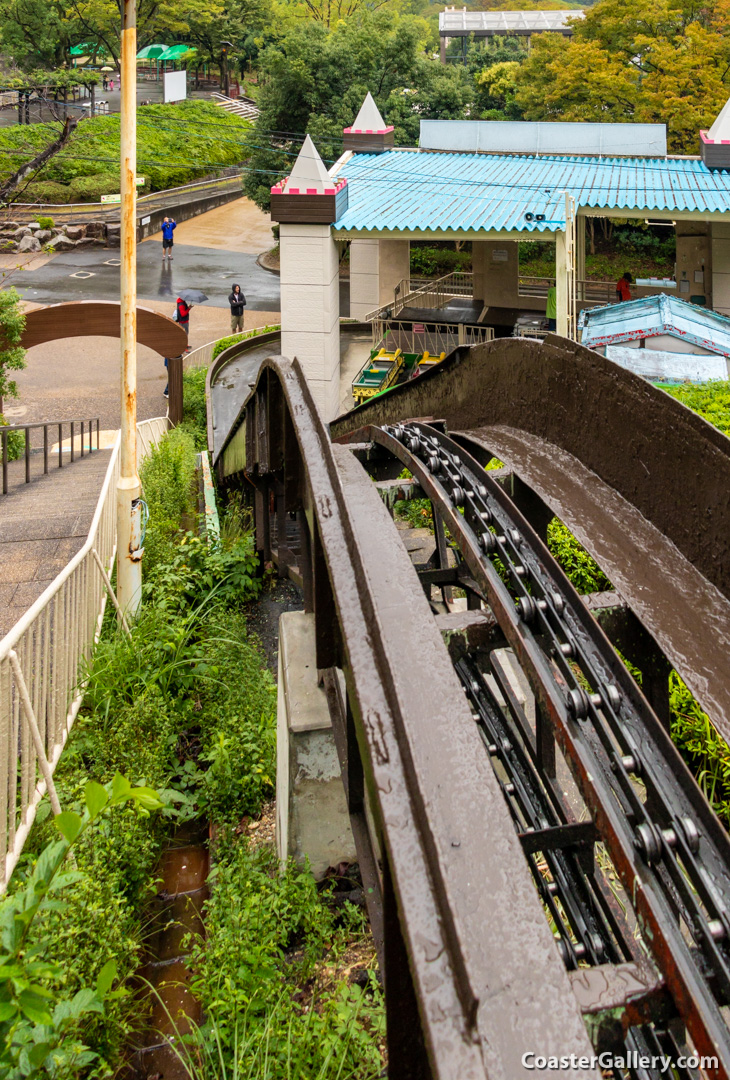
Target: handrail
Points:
(436, 337)
(42, 660)
(108, 210)
(6, 429)
(434, 292)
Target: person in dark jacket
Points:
(168, 228)
(238, 302)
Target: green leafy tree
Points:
(661, 61)
(314, 81)
(496, 89)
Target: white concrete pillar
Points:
(561, 286)
(580, 256)
(364, 277)
(721, 267)
(394, 264)
(496, 267)
(694, 260)
(310, 309)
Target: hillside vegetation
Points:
(175, 145)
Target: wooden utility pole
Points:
(129, 505)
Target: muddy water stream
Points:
(175, 912)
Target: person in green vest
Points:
(551, 308)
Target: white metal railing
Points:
(433, 337)
(425, 293)
(200, 357)
(42, 662)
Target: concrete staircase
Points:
(238, 106)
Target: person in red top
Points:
(623, 292)
(183, 316)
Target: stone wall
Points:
(24, 239)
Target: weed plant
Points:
(583, 571)
(263, 944)
(223, 343)
(195, 417)
(187, 706)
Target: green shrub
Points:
(583, 571)
(45, 191)
(436, 261)
(705, 751)
(711, 400)
(16, 442)
(52, 1023)
(223, 343)
(237, 722)
(195, 415)
(167, 481)
(264, 930)
(91, 188)
(170, 152)
(46, 222)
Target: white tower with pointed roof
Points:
(715, 143)
(305, 204)
(369, 134)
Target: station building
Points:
(493, 184)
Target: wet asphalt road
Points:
(209, 269)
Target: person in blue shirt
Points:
(168, 227)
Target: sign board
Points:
(176, 86)
(139, 181)
(111, 198)
(500, 255)
(146, 220)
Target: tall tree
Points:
(657, 61)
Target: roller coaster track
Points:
(544, 876)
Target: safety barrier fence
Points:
(200, 357)
(86, 434)
(433, 337)
(43, 661)
(67, 213)
(425, 293)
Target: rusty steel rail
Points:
(473, 979)
(671, 852)
(638, 478)
(614, 839)
(86, 426)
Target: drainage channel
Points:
(175, 914)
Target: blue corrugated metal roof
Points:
(408, 190)
(652, 316)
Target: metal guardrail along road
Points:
(42, 663)
(68, 213)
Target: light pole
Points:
(129, 510)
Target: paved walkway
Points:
(80, 377)
(42, 526)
